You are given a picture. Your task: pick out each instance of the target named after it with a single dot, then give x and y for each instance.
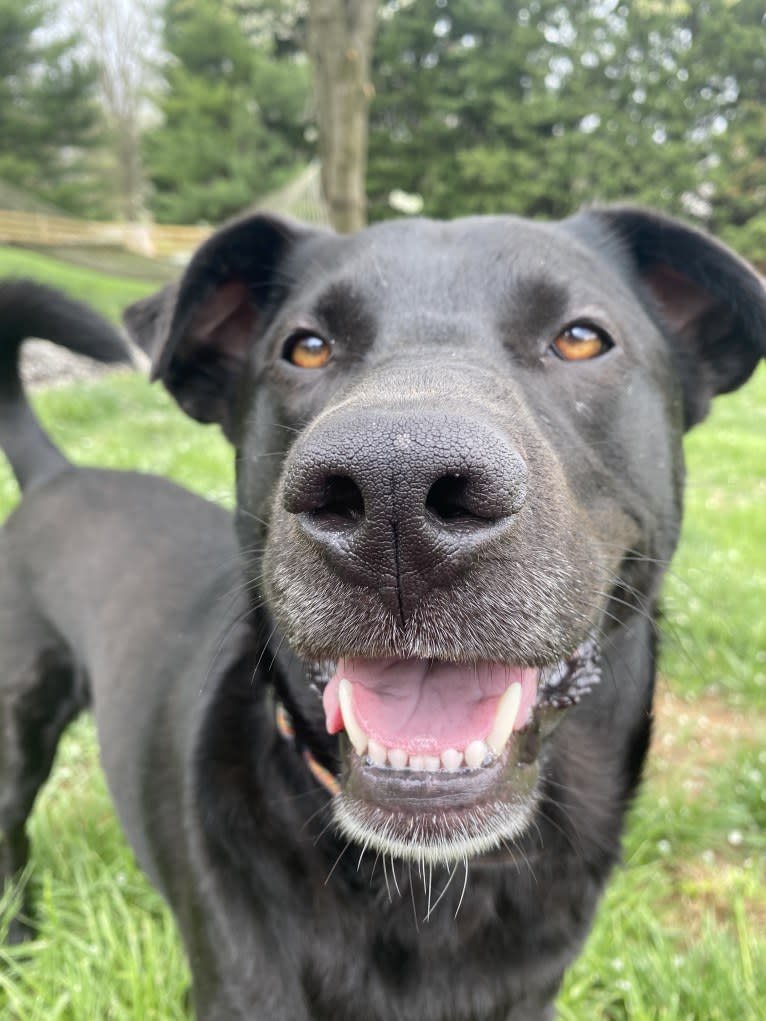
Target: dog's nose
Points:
(401, 502)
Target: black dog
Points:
(459, 479)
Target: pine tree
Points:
(232, 116)
(537, 106)
(49, 117)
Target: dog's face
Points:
(459, 469)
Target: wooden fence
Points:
(152, 240)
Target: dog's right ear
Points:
(198, 332)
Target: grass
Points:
(715, 597)
(116, 422)
(106, 292)
(682, 933)
(111, 259)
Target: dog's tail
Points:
(28, 309)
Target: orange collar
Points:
(320, 773)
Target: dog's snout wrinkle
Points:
(401, 501)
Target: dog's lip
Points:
(411, 792)
(439, 817)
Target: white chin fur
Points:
(477, 831)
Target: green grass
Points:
(682, 932)
(107, 293)
(111, 259)
(106, 946)
(715, 596)
(122, 422)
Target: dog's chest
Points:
(485, 951)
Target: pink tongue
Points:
(423, 706)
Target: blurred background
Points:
(186, 112)
(130, 128)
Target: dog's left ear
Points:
(198, 332)
(711, 303)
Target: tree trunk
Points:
(340, 45)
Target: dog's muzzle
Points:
(397, 508)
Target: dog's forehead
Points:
(461, 257)
(475, 266)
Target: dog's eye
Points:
(580, 342)
(307, 351)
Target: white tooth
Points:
(452, 759)
(431, 762)
(507, 711)
(475, 754)
(376, 752)
(356, 735)
(417, 762)
(397, 758)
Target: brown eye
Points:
(579, 343)
(308, 351)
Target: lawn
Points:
(682, 933)
(107, 292)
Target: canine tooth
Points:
(475, 754)
(356, 735)
(397, 758)
(376, 752)
(452, 759)
(417, 762)
(431, 762)
(507, 711)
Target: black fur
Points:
(29, 309)
(184, 639)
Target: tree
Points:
(121, 39)
(536, 106)
(340, 35)
(49, 117)
(233, 116)
(731, 45)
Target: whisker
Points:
(337, 862)
(393, 873)
(412, 898)
(385, 874)
(465, 884)
(323, 831)
(439, 899)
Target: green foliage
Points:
(49, 118)
(534, 106)
(731, 38)
(232, 116)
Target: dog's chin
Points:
(436, 816)
(441, 762)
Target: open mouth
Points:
(428, 716)
(441, 760)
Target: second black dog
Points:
(459, 480)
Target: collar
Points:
(286, 730)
